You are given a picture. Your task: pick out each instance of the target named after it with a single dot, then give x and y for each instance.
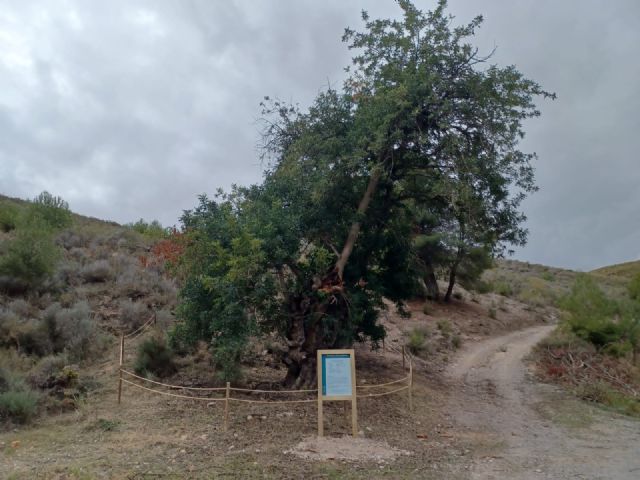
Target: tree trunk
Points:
(431, 284)
(306, 334)
(452, 281)
(355, 226)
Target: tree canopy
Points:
(412, 165)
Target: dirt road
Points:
(517, 428)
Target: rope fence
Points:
(228, 389)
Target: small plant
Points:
(18, 403)
(416, 340)
(155, 357)
(445, 327)
(503, 288)
(106, 425)
(492, 312)
(456, 341)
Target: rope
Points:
(144, 326)
(404, 379)
(203, 399)
(365, 395)
(273, 391)
(272, 401)
(206, 389)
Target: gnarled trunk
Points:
(306, 333)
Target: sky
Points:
(132, 108)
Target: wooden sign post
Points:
(337, 382)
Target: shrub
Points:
(155, 357)
(98, 271)
(634, 288)
(537, 292)
(18, 405)
(72, 330)
(45, 372)
(456, 341)
(133, 314)
(9, 215)
(445, 327)
(30, 258)
(416, 340)
(503, 288)
(153, 230)
(54, 211)
(482, 286)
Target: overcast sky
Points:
(130, 109)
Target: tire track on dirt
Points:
(520, 429)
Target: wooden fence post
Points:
(120, 368)
(226, 407)
(410, 384)
(403, 355)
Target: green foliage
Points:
(152, 230)
(537, 292)
(29, 258)
(445, 327)
(106, 425)
(416, 340)
(53, 211)
(18, 405)
(612, 326)
(412, 164)
(634, 288)
(9, 216)
(602, 393)
(154, 357)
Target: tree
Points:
(314, 249)
(54, 211)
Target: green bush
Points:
(503, 288)
(445, 327)
(416, 340)
(153, 230)
(634, 288)
(154, 357)
(29, 259)
(54, 211)
(9, 215)
(18, 405)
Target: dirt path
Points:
(519, 429)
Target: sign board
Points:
(337, 381)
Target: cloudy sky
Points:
(132, 108)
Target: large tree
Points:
(422, 123)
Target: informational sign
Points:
(337, 382)
(336, 375)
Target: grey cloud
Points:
(132, 108)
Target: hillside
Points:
(59, 362)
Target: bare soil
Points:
(481, 417)
(520, 429)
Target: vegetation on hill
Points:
(595, 350)
(66, 284)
